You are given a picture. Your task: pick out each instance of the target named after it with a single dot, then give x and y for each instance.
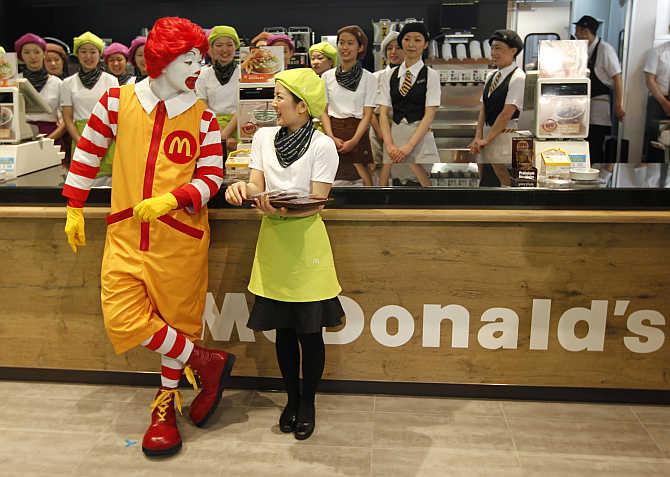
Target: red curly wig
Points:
(169, 38)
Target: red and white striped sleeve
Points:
(96, 137)
(208, 175)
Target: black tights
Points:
(313, 360)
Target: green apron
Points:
(293, 260)
(224, 120)
(106, 162)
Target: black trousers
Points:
(596, 139)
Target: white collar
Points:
(504, 72)
(592, 46)
(174, 106)
(414, 69)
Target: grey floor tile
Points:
(428, 462)
(653, 414)
(567, 411)
(456, 432)
(442, 406)
(64, 391)
(541, 465)
(583, 438)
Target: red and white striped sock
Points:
(175, 349)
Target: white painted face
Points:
(182, 73)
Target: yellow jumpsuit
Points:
(153, 273)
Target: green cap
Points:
(224, 30)
(306, 85)
(88, 37)
(326, 49)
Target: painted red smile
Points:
(190, 81)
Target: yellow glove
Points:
(74, 228)
(150, 209)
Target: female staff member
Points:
(136, 55)
(286, 42)
(293, 275)
(411, 97)
(502, 102)
(218, 84)
(322, 57)
(30, 49)
(394, 57)
(81, 92)
(261, 39)
(116, 59)
(55, 60)
(351, 93)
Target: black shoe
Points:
(305, 423)
(287, 420)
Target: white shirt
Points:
(433, 89)
(515, 90)
(51, 94)
(658, 63)
(343, 103)
(318, 164)
(83, 100)
(220, 99)
(382, 76)
(174, 106)
(607, 66)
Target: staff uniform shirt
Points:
(658, 64)
(81, 99)
(605, 68)
(222, 99)
(343, 103)
(515, 91)
(318, 164)
(51, 94)
(433, 89)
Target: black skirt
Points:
(303, 317)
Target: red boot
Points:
(213, 368)
(162, 439)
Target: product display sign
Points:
(563, 59)
(260, 64)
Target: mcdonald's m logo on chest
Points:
(180, 147)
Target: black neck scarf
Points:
(291, 146)
(123, 78)
(139, 76)
(37, 78)
(349, 79)
(90, 78)
(224, 72)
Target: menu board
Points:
(260, 64)
(8, 67)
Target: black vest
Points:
(495, 103)
(598, 88)
(413, 106)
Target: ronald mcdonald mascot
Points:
(167, 164)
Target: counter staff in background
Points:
(351, 92)
(502, 102)
(657, 76)
(30, 49)
(285, 41)
(154, 269)
(55, 60)
(116, 58)
(322, 57)
(394, 57)
(261, 39)
(81, 91)
(605, 81)
(136, 56)
(293, 276)
(219, 83)
(410, 98)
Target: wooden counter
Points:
(432, 296)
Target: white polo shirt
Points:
(83, 100)
(658, 63)
(515, 90)
(343, 103)
(51, 94)
(222, 99)
(607, 66)
(318, 164)
(433, 89)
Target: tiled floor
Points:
(60, 429)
